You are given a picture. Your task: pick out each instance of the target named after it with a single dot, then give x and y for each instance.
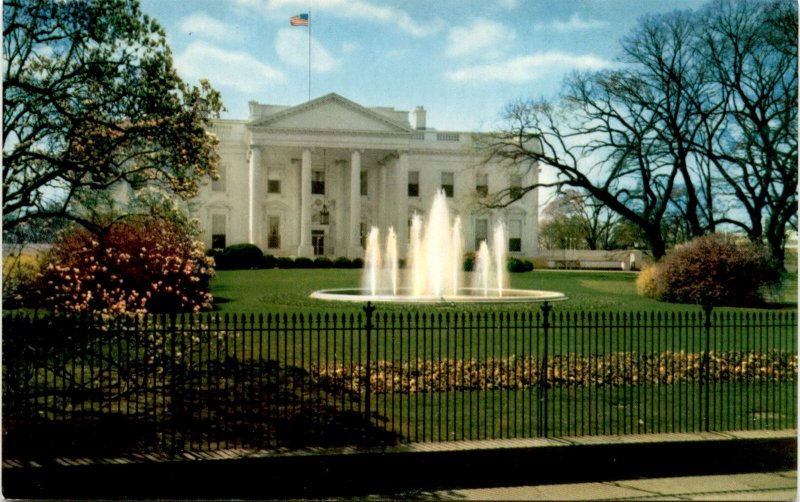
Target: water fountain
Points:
(433, 271)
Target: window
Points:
(218, 185)
(274, 235)
(318, 182)
(482, 185)
(515, 190)
(273, 186)
(218, 231)
(318, 242)
(447, 184)
(362, 230)
(364, 183)
(481, 232)
(413, 184)
(515, 236)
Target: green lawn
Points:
(645, 409)
(287, 291)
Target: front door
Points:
(318, 242)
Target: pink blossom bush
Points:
(144, 264)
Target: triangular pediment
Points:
(331, 113)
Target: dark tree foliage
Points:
(91, 100)
(697, 128)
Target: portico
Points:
(310, 180)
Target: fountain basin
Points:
(464, 295)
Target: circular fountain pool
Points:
(465, 295)
(434, 269)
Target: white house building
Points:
(310, 180)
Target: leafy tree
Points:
(573, 220)
(91, 100)
(561, 233)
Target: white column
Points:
(252, 179)
(305, 248)
(401, 218)
(356, 251)
(531, 248)
(342, 224)
(383, 201)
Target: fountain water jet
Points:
(372, 261)
(482, 268)
(499, 250)
(455, 258)
(433, 273)
(392, 262)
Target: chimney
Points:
(419, 118)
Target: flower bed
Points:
(617, 369)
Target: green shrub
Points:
(269, 261)
(515, 265)
(716, 269)
(284, 262)
(20, 272)
(357, 263)
(240, 257)
(322, 262)
(303, 262)
(342, 262)
(539, 263)
(469, 262)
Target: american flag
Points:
(299, 20)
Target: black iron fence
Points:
(90, 384)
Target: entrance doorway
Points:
(318, 242)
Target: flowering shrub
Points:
(716, 269)
(573, 370)
(145, 264)
(646, 284)
(19, 278)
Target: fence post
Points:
(369, 308)
(704, 369)
(546, 308)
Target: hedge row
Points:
(512, 264)
(249, 256)
(513, 373)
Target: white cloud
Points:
(574, 23)
(348, 47)
(528, 68)
(358, 9)
(292, 48)
(202, 25)
(235, 69)
(481, 38)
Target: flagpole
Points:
(309, 52)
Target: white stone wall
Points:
(331, 129)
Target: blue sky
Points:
(463, 60)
